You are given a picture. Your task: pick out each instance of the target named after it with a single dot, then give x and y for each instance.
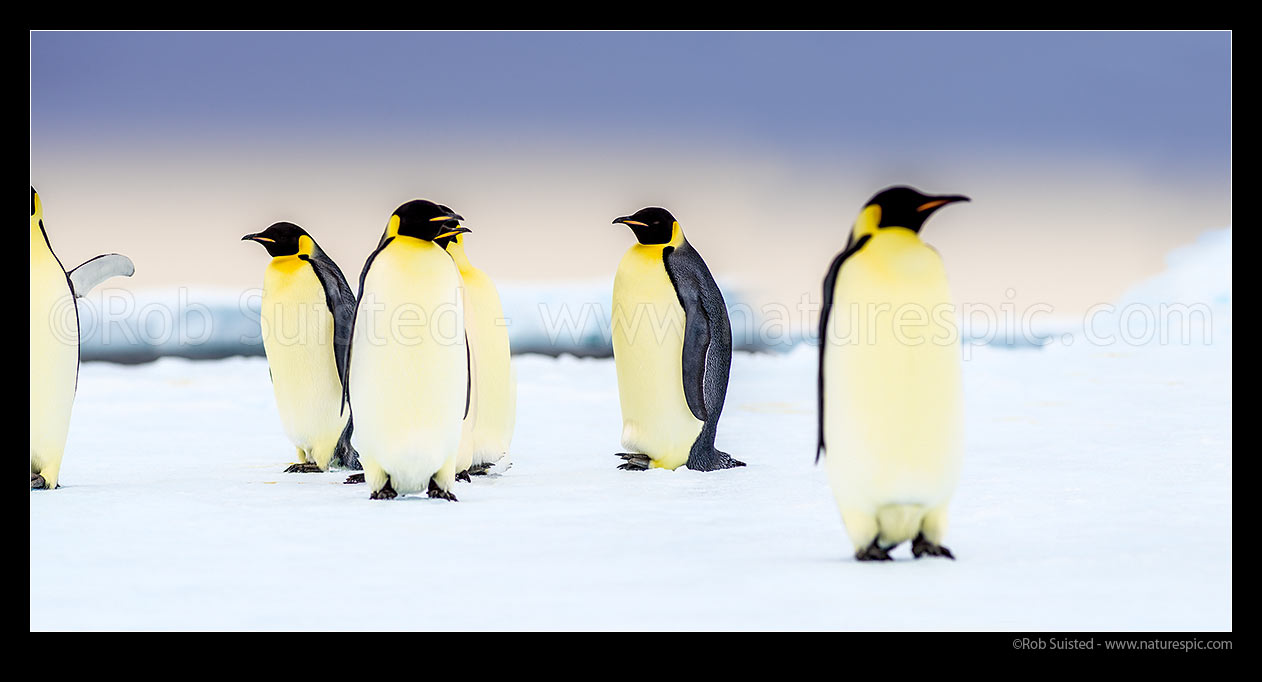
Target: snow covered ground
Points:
(1096, 495)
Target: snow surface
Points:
(1096, 495)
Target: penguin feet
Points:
(716, 461)
(438, 493)
(354, 478)
(922, 547)
(634, 461)
(38, 482)
(873, 552)
(726, 461)
(464, 476)
(304, 468)
(386, 493)
(479, 469)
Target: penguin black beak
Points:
(257, 237)
(449, 233)
(940, 201)
(626, 220)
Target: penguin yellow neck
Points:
(392, 228)
(306, 247)
(867, 223)
(37, 215)
(456, 249)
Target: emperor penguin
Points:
(493, 387)
(672, 347)
(55, 343)
(306, 316)
(890, 413)
(408, 367)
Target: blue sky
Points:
(1156, 99)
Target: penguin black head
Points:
(283, 239)
(421, 219)
(444, 240)
(651, 225)
(906, 207)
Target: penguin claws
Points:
(720, 460)
(354, 478)
(634, 461)
(304, 468)
(464, 476)
(386, 493)
(479, 470)
(922, 547)
(873, 552)
(438, 493)
(726, 461)
(38, 482)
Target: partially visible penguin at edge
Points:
(55, 343)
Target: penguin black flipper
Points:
(830, 282)
(707, 353)
(468, 384)
(340, 301)
(346, 368)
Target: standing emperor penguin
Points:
(890, 414)
(672, 346)
(409, 362)
(493, 386)
(306, 318)
(55, 343)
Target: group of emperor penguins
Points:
(411, 379)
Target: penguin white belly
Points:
(495, 385)
(298, 338)
(648, 346)
(54, 359)
(892, 421)
(408, 370)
